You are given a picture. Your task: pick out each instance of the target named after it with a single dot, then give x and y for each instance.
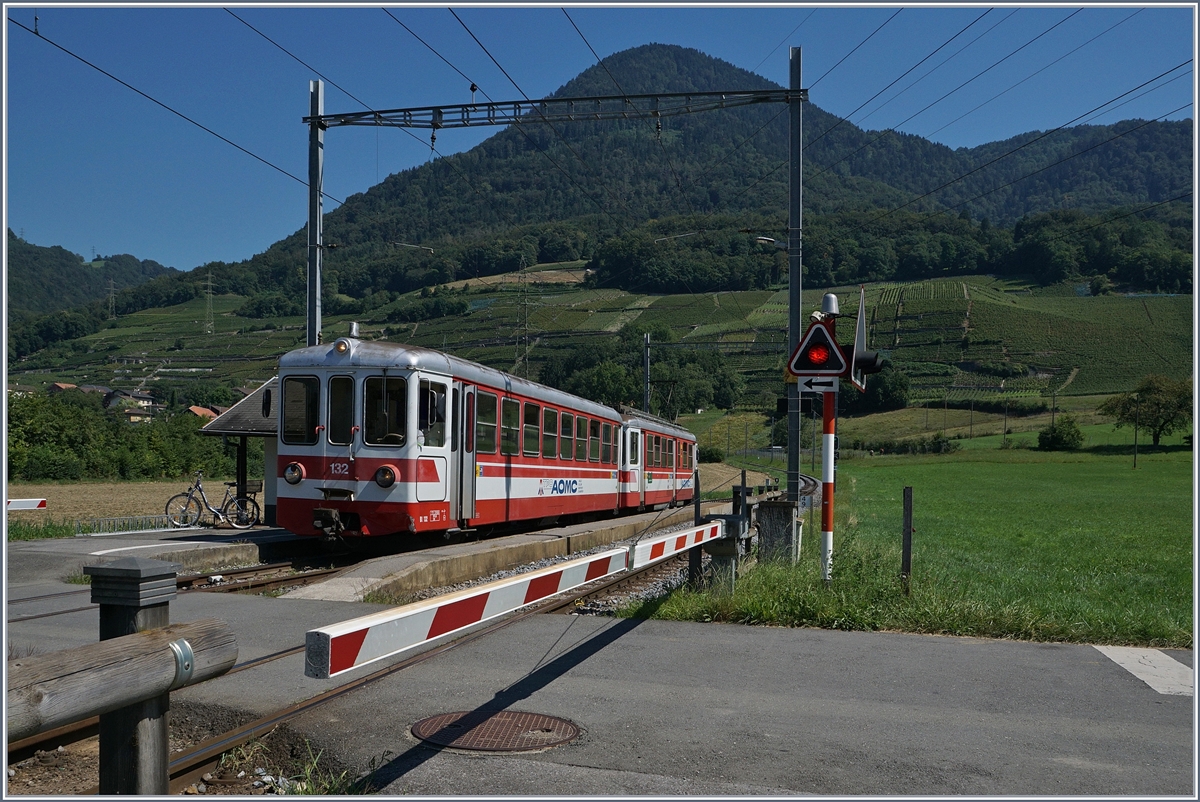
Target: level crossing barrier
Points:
(25, 504)
(341, 647)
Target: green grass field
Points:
(1008, 543)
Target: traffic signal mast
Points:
(818, 364)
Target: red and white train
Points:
(377, 438)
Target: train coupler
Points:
(329, 521)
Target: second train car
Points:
(378, 438)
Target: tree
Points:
(1159, 404)
(1062, 435)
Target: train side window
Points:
(634, 451)
(649, 451)
(581, 430)
(485, 423)
(566, 443)
(469, 424)
(300, 409)
(533, 429)
(549, 433)
(431, 412)
(385, 406)
(510, 426)
(657, 451)
(606, 449)
(594, 441)
(341, 410)
(454, 407)
(671, 452)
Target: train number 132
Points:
(339, 468)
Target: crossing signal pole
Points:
(819, 363)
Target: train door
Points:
(433, 438)
(462, 504)
(633, 452)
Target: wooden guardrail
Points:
(50, 690)
(126, 679)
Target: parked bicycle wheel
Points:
(183, 510)
(242, 513)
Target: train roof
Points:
(631, 414)
(380, 354)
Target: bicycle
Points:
(185, 510)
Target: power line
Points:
(952, 91)
(893, 83)
(1031, 75)
(1073, 155)
(1119, 217)
(855, 50)
(670, 164)
(168, 108)
(557, 133)
(937, 67)
(784, 39)
(301, 62)
(1022, 146)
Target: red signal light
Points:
(818, 354)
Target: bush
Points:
(711, 454)
(1062, 435)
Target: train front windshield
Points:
(384, 410)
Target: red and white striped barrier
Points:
(26, 504)
(338, 648)
(664, 546)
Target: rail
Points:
(125, 679)
(59, 688)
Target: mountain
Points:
(42, 279)
(1064, 205)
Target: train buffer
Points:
(341, 647)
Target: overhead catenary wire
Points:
(855, 50)
(1072, 156)
(965, 83)
(1031, 75)
(177, 113)
(553, 128)
(600, 61)
(894, 82)
(784, 39)
(1022, 146)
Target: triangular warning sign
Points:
(817, 354)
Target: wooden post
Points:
(906, 547)
(134, 595)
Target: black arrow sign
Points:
(811, 383)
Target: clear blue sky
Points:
(90, 164)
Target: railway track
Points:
(257, 578)
(190, 766)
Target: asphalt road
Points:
(701, 709)
(670, 708)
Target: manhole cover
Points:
(495, 730)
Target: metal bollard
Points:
(134, 595)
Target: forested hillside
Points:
(1085, 203)
(44, 279)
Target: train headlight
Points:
(293, 473)
(342, 346)
(385, 476)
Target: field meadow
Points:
(1008, 543)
